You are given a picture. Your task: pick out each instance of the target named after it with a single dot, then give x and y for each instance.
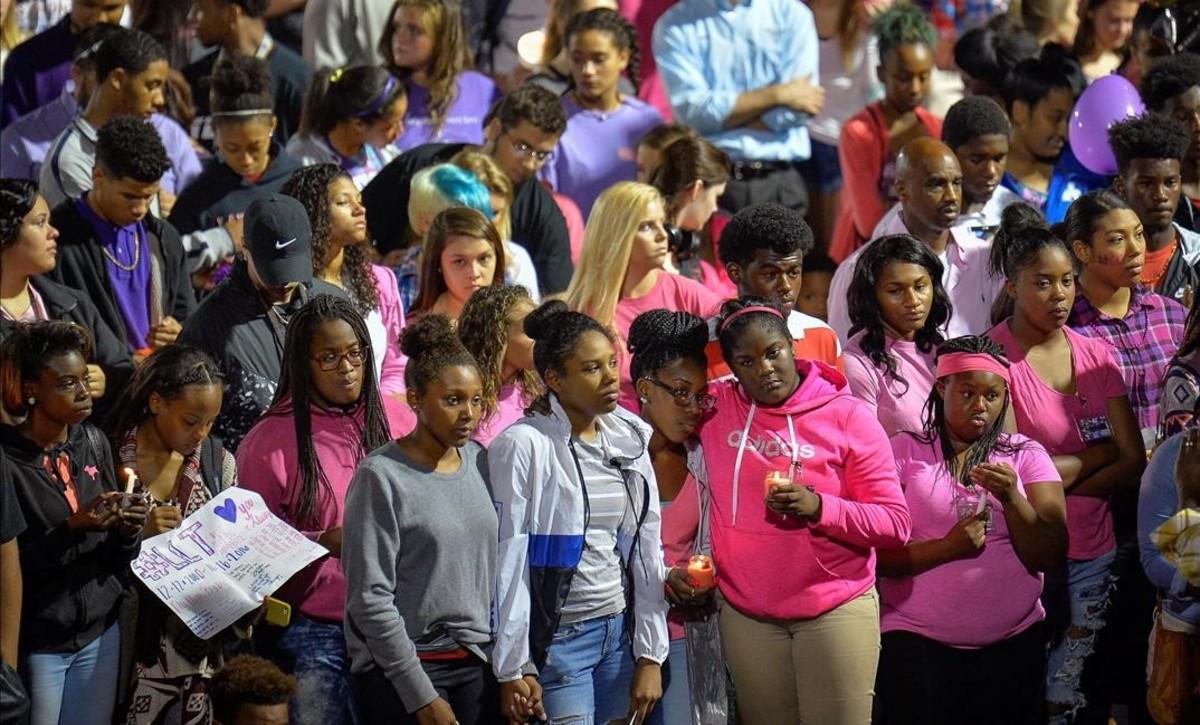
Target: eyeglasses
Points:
(684, 398)
(330, 361)
(525, 150)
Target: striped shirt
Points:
(596, 588)
(1146, 340)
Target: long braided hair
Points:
(295, 383)
(935, 430)
(660, 337)
(483, 329)
(310, 186)
(622, 31)
(166, 372)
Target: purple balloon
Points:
(1106, 101)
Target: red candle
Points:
(700, 571)
(775, 479)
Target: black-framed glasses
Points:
(525, 150)
(330, 361)
(684, 398)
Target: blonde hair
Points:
(497, 182)
(443, 20)
(595, 288)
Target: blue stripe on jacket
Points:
(555, 550)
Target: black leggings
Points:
(467, 684)
(924, 682)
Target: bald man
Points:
(929, 184)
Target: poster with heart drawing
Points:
(222, 561)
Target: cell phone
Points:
(279, 612)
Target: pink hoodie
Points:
(777, 567)
(267, 465)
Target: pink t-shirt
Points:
(670, 292)
(680, 522)
(968, 603)
(1054, 418)
(899, 405)
(509, 409)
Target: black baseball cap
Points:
(278, 236)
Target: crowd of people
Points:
(500, 304)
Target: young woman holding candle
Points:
(328, 414)
(420, 550)
(340, 257)
(669, 372)
(898, 309)
(80, 532)
(800, 633)
(1068, 392)
(988, 517)
(580, 575)
(159, 429)
(426, 46)
(492, 327)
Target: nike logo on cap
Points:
(281, 245)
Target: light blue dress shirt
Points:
(711, 51)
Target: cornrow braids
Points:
(623, 33)
(660, 337)
(432, 346)
(295, 383)
(310, 186)
(935, 430)
(483, 330)
(166, 372)
(556, 330)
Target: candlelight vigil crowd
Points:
(656, 362)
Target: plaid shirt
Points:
(1146, 340)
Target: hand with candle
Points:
(685, 590)
(792, 500)
(775, 479)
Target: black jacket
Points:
(73, 581)
(81, 266)
(537, 223)
(219, 191)
(110, 352)
(232, 324)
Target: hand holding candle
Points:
(774, 479)
(700, 571)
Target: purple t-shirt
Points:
(473, 98)
(1057, 419)
(598, 149)
(973, 602)
(124, 248)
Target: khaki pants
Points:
(815, 671)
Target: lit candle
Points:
(775, 479)
(700, 571)
(130, 480)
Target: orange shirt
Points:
(1156, 264)
(811, 340)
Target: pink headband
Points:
(748, 310)
(967, 362)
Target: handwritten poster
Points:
(222, 561)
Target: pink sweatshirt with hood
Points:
(267, 464)
(772, 566)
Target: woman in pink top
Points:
(620, 274)
(898, 308)
(668, 369)
(803, 489)
(988, 517)
(492, 328)
(340, 257)
(328, 414)
(1068, 394)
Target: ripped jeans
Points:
(1089, 589)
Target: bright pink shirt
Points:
(670, 292)
(899, 405)
(680, 522)
(1052, 419)
(968, 603)
(509, 409)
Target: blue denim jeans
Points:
(676, 706)
(75, 688)
(1089, 590)
(588, 672)
(324, 695)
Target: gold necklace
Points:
(137, 255)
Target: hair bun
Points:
(426, 334)
(1021, 217)
(539, 323)
(667, 329)
(240, 75)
